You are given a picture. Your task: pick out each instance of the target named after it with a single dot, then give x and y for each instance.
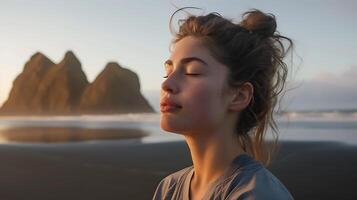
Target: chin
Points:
(168, 128)
(170, 125)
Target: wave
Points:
(329, 115)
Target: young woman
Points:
(222, 84)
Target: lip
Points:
(167, 105)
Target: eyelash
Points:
(185, 74)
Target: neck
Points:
(212, 154)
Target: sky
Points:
(136, 35)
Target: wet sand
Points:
(66, 134)
(128, 169)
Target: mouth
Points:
(167, 106)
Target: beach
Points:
(130, 169)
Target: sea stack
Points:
(62, 87)
(115, 90)
(46, 88)
(26, 84)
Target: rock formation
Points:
(115, 90)
(61, 88)
(25, 85)
(47, 88)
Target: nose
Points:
(169, 85)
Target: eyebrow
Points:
(186, 60)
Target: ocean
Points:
(340, 126)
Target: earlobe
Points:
(241, 97)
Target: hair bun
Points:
(258, 22)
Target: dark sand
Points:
(128, 169)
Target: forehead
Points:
(191, 47)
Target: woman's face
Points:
(191, 97)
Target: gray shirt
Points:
(246, 179)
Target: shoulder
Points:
(261, 184)
(176, 177)
(268, 184)
(167, 185)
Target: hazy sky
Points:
(136, 35)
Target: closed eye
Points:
(185, 74)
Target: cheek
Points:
(200, 98)
(203, 104)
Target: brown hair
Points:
(253, 51)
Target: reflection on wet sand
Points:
(66, 134)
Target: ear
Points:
(241, 97)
